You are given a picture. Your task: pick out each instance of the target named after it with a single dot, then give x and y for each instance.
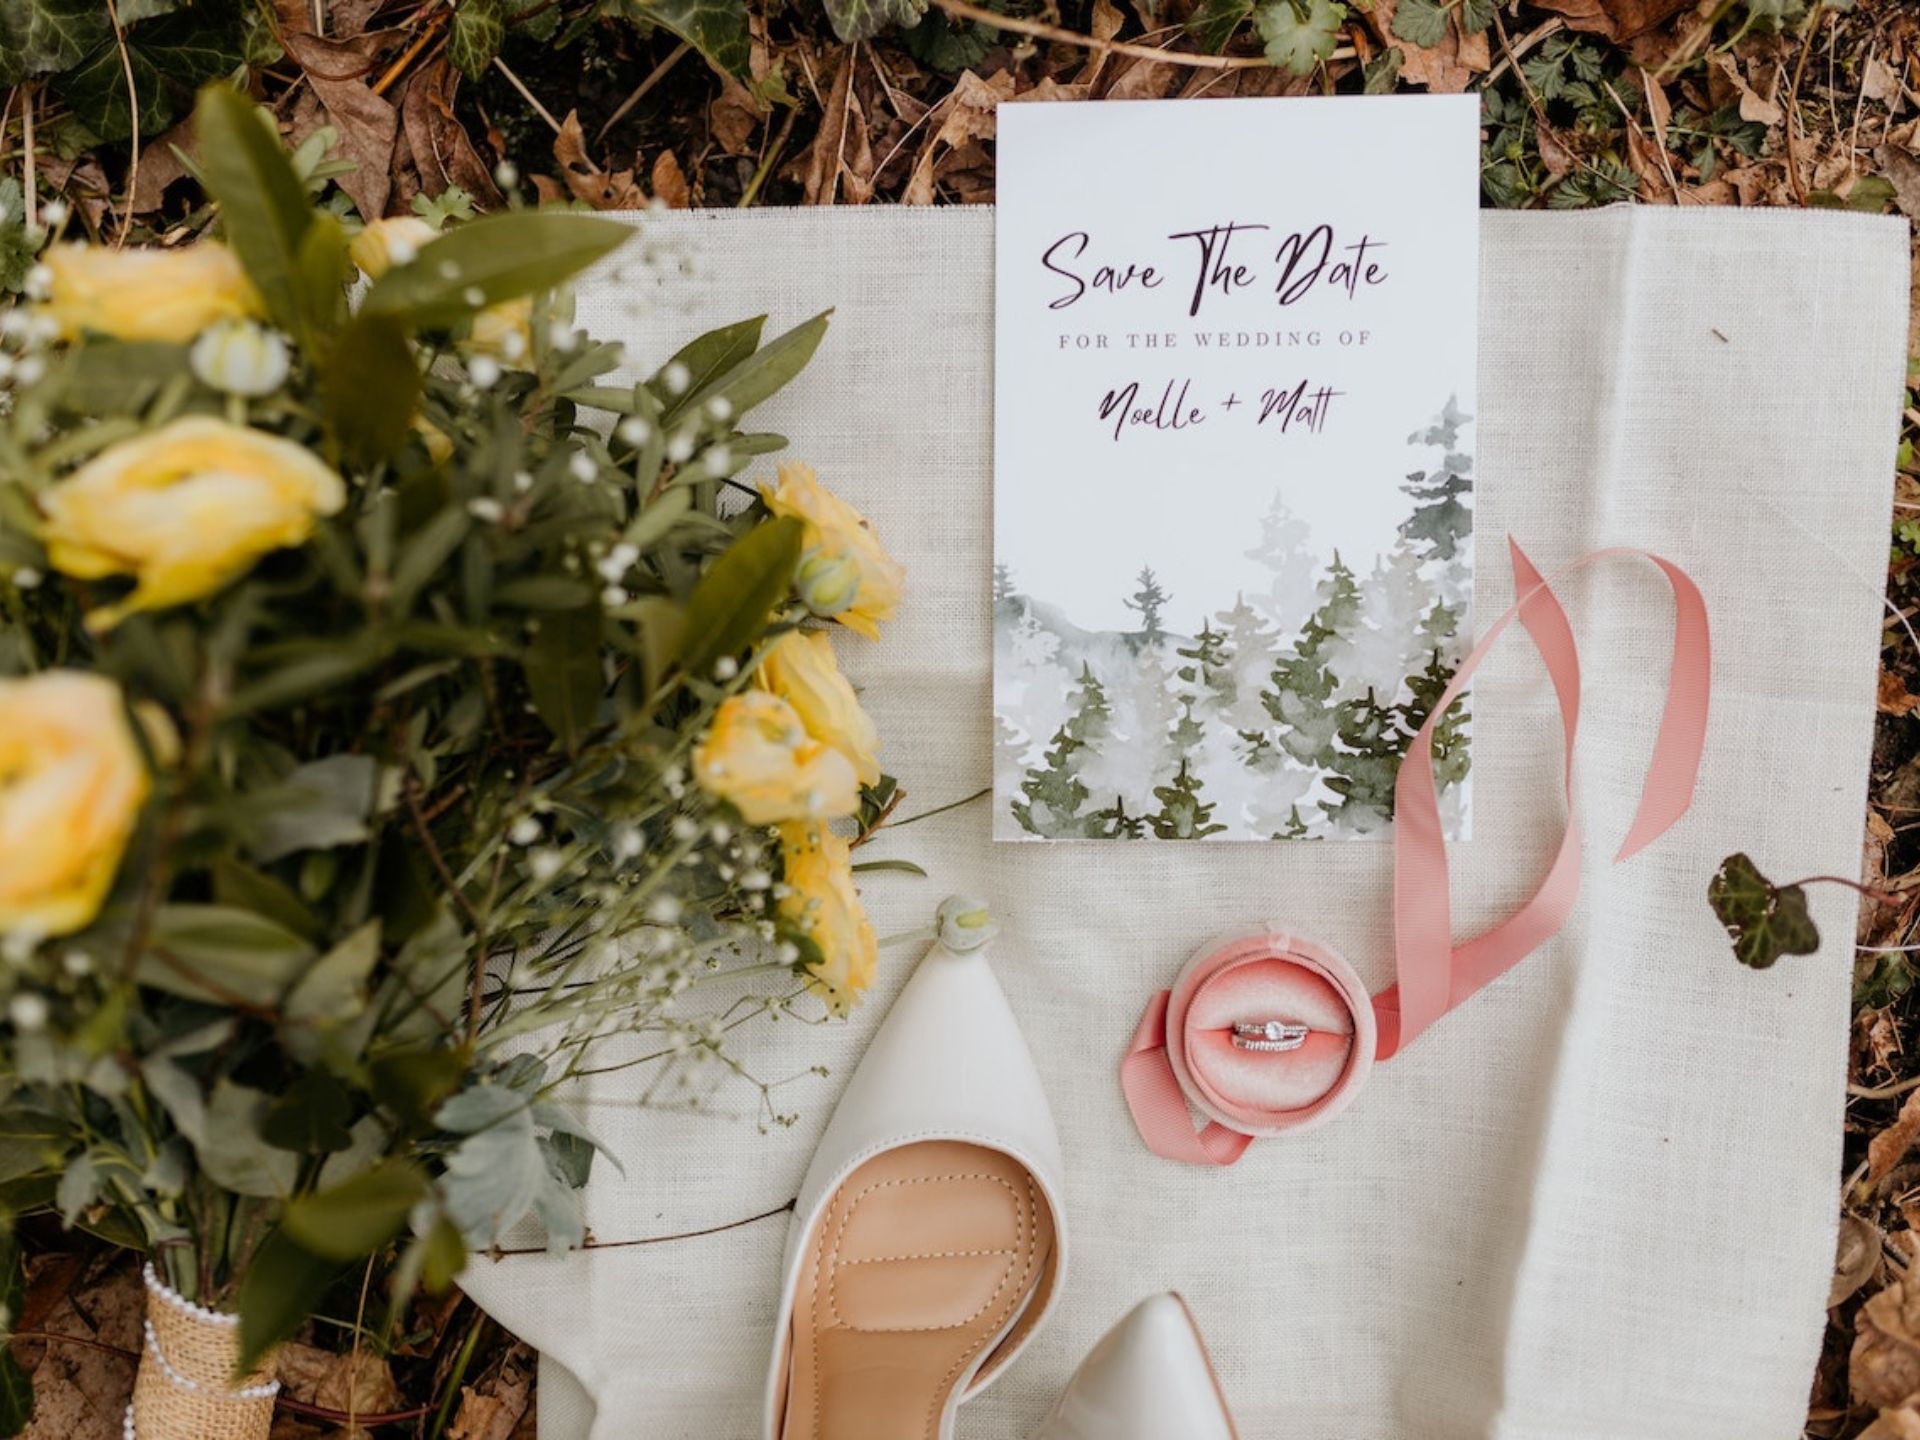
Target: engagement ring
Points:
(1269, 1036)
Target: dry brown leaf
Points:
(1901, 1424)
(1445, 69)
(492, 1408)
(1884, 1368)
(1614, 19)
(1856, 1260)
(81, 1391)
(1878, 82)
(1894, 697)
(1554, 153)
(733, 117)
(1890, 1146)
(1135, 79)
(1902, 169)
(968, 115)
(438, 152)
(1726, 83)
(1107, 21)
(585, 180)
(669, 181)
(826, 157)
(160, 167)
(338, 71)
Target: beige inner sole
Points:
(922, 1259)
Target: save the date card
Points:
(1234, 439)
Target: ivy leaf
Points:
(475, 35)
(716, 28)
(40, 36)
(1214, 22)
(17, 249)
(1421, 22)
(941, 44)
(1297, 43)
(863, 19)
(1764, 920)
(170, 57)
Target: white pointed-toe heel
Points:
(928, 1241)
(1149, 1378)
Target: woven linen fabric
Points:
(1595, 1203)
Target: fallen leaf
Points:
(160, 167)
(1884, 1368)
(969, 115)
(1614, 19)
(1445, 69)
(1856, 1259)
(669, 181)
(1554, 154)
(1878, 82)
(1890, 1146)
(733, 116)
(337, 73)
(1752, 105)
(585, 180)
(438, 149)
(826, 157)
(1901, 1424)
(1902, 169)
(1895, 699)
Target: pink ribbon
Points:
(1433, 973)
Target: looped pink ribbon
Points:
(1434, 974)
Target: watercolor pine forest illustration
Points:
(1282, 714)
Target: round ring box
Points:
(1256, 981)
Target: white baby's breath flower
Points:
(486, 508)
(506, 175)
(676, 377)
(484, 371)
(522, 481)
(31, 370)
(720, 408)
(27, 578)
(725, 668)
(27, 1011)
(628, 842)
(617, 561)
(613, 597)
(474, 296)
(718, 460)
(582, 467)
(39, 282)
(525, 830)
(240, 358)
(664, 910)
(545, 864)
(680, 448)
(634, 431)
(77, 963)
(684, 828)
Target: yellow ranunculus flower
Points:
(146, 294)
(835, 531)
(800, 668)
(504, 331)
(383, 244)
(822, 904)
(72, 781)
(758, 755)
(184, 510)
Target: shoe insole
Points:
(921, 1261)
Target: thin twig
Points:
(133, 113)
(654, 77)
(1040, 30)
(767, 163)
(657, 1239)
(408, 56)
(527, 95)
(943, 809)
(26, 122)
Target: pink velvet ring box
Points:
(1257, 980)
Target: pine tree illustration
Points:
(1054, 792)
(1366, 762)
(1441, 519)
(1187, 732)
(1208, 660)
(1183, 815)
(1296, 827)
(1003, 587)
(1451, 755)
(1284, 554)
(1120, 825)
(1301, 685)
(1149, 600)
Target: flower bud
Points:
(827, 582)
(965, 923)
(240, 358)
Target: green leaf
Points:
(705, 359)
(1298, 41)
(446, 1254)
(496, 258)
(1214, 22)
(948, 45)
(411, 1083)
(1764, 920)
(764, 372)
(1421, 22)
(564, 674)
(355, 1219)
(311, 1116)
(318, 806)
(16, 1386)
(263, 205)
(1477, 15)
(863, 19)
(475, 35)
(426, 553)
(334, 988)
(242, 886)
(716, 28)
(222, 955)
(170, 57)
(729, 606)
(232, 1145)
(280, 1290)
(41, 36)
(905, 867)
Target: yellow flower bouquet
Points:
(392, 704)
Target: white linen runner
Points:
(1597, 1202)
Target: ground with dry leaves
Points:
(1586, 102)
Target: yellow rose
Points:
(504, 331)
(383, 244)
(184, 510)
(145, 294)
(801, 670)
(758, 755)
(837, 534)
(72, 781)
(822, 904)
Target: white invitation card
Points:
(1234, 438)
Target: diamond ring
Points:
(1269, 1036)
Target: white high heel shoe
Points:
(1149, 1378)
(928, 1241)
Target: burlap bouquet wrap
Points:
(186, 1388)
